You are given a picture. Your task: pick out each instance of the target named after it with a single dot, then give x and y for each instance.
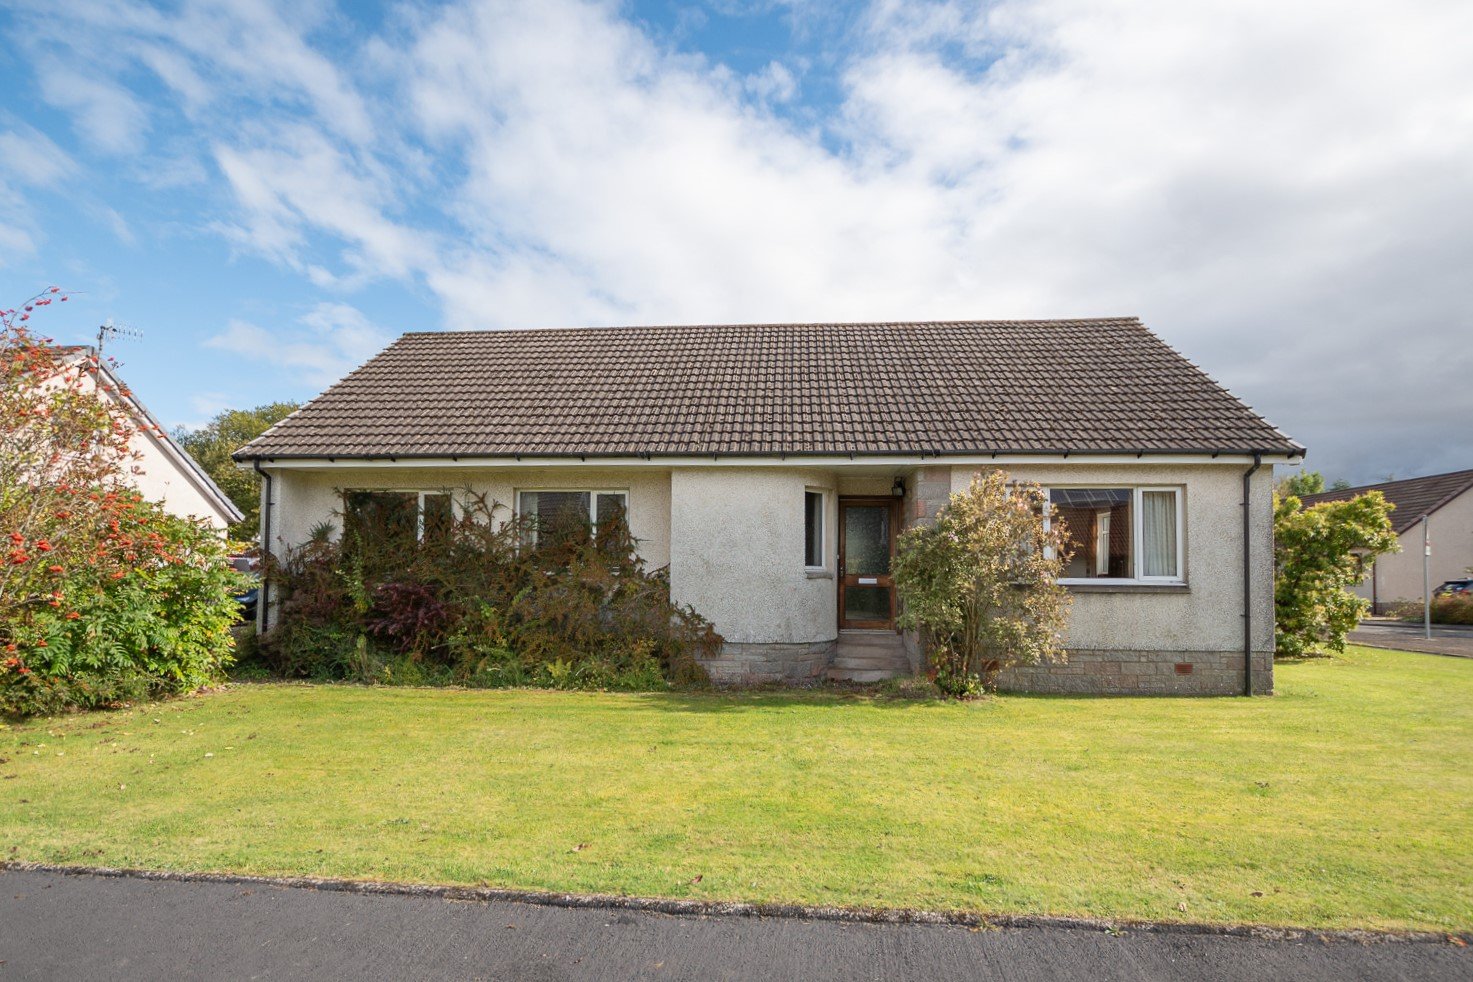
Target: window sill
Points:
(1127, 587)
(819, 574)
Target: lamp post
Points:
(1426, 580)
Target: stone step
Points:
(871, 661)
(863, 675)
(871, 643)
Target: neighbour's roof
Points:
(963, 387)
(1413, 497)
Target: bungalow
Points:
(1437, 509)
(770, 467)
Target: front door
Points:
(866, 546)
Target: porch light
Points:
(898, 488)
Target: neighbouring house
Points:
(1445, 503)
(163, 472)
(771, 467)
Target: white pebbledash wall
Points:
(733, 539)
(1133, 638)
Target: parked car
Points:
(1455, 588)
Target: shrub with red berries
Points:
(103, 595)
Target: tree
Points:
(62, 450)
(212, 445)
(1301, 484)
(1319, 553)
(102, 595)
(981, 586)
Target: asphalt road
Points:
(1447, 639)
(55, 926)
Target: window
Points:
(396, 516)
(813, 529)
(1121, 534)
(555, 514)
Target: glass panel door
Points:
(866, 546)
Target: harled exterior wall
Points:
(733, 539)
(1131, 638)
(736, 553)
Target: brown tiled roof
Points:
(1413, 497)
(959, 387)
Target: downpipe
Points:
(265, 597)
(1248, 574)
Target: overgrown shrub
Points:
(475, 604)
(980, 583)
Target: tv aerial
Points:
(108, 330)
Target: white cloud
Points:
(774, 83)
(329, 341)
(28, 160)
(1275, 188)
(1280, 189)
(297, 180)
(105, 114)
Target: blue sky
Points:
(271, 192)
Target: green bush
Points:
(158, 623)
(474, 604)
(980, 584)
(1320, 552)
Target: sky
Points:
(271, 192)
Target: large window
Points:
(396, 516)
(556, 514)
(1121, 534)
(813, 529)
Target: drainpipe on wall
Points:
(1248, 576)
(265, 597)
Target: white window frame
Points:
(456, 510)
(1137, 533)
(823, 530)
(592, 493)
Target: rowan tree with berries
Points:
(103, 595)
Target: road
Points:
(1447, 639)
(60, 926)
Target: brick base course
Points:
(750, 664)
(1213, 673)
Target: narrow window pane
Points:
(1100, 531)
(1158, 533)
(813, 529)
(866, 540)
(610, 508)
(437, 518)
(611, 526)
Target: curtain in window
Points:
(1158, 526)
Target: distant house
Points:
(1446, 502)
(164, 471)
(770, 468)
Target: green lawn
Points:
(1345, 801)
